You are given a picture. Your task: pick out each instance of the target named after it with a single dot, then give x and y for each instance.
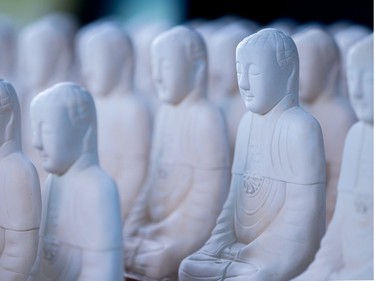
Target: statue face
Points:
(261, 81)
(99, 69)
(171, 72)
(223, 67)
(361, 90)
(58, 141)
(312, 73)
(38, 63)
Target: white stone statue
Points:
(346, 251)
(273, 219)
(223, 86)
(189, 171)
(81, 229)
(319, 59)
(124, 120)
(20, 199)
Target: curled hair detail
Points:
(286, 50)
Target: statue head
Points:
(106, 58)
(360, 73)
(64, 126)
(267, 69)
(179, 64)
(319, 58)
(45, 54)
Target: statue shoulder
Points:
(21, 193)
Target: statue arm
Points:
(22, 200)
(181, 233)
(138, 214)
(101, 265)
(22, 197)
(101, 240)
(200, 208)
(34, 272)
(223, 233)
(187, 228)
(329, 257)
(137, 219)
(19, 254)
(299, 224)
(198, 211)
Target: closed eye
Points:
(254, 70)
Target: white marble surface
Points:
(273, 218)
(346, 251)
(20, 198)
(80, 231)
(124, 120)
(345, 38)
(189, 169)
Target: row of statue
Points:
(232, 152)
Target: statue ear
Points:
(8, 134)
(292, 84)
(87, 139)
(199, 69)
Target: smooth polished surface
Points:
(346, 251)
(80, 232)
(273, 218)
(189, 170)
(20, 198)
(345, 38)
(124, 120)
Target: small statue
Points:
(124, 120)
(80, 232)
(274, 217)
(189, 167)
